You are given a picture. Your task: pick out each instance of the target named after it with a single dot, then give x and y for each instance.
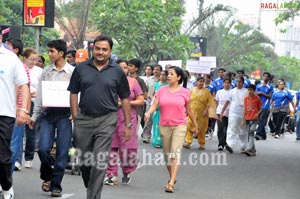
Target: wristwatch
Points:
(129, 125)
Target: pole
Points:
(38, 35)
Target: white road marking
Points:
(67, 195)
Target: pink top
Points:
(118, 137)
(19, 98)
(173, 106)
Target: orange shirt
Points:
(252, 106)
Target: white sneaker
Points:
(18, 166)
(28, 164)
(8, 194)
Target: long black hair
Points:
(180, 73)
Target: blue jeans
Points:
(298, 125)
(50, 122)
(16, 144)
(250, 128)
(262, 122)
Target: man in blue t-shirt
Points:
(264, 90)
(218, 83)
(298, 116)
(209, 84)
(247, 82)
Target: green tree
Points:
(288, 69)
(237, 45)
(72, 16)
(293, 10)
(11, 14)
(204, 14)
(149, 30)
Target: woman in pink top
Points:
(125, 150)
(174, 107)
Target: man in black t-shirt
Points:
(100, 82)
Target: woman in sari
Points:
(156, 139)
(200, 101)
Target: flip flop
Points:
(46, 186)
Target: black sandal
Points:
(46, 186)
(56, 193)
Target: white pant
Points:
(234, 131)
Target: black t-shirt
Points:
(99, 90)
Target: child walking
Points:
(252, 105)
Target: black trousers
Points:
(6, 130)
(278, 120)
(222, 131)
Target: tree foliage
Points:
(292, 10)
(236, 45)
(11, 14)
(72, 16)
(149, 30)
(288, 69)
(204, 14)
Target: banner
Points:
(55, 94)
(195, 66)
(171, 62)
(208, 61)
(34, 12)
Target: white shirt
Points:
(150, 81)
(236, 98)
(35, 77)
(222, 96)
(12, 74)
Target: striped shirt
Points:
(50, 73)
(19, 98)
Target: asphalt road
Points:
(274, 173)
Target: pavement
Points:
(274, 173)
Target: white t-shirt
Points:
(150, 81)
(35, 77)
(236, 98)
(12, 73)
(222, 96)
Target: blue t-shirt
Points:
(246, 84)
(298, 98)
(232, 85)
(211, 88)
(282, 98)
(218, 83)
(267, 89)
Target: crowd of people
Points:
(114, 103)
